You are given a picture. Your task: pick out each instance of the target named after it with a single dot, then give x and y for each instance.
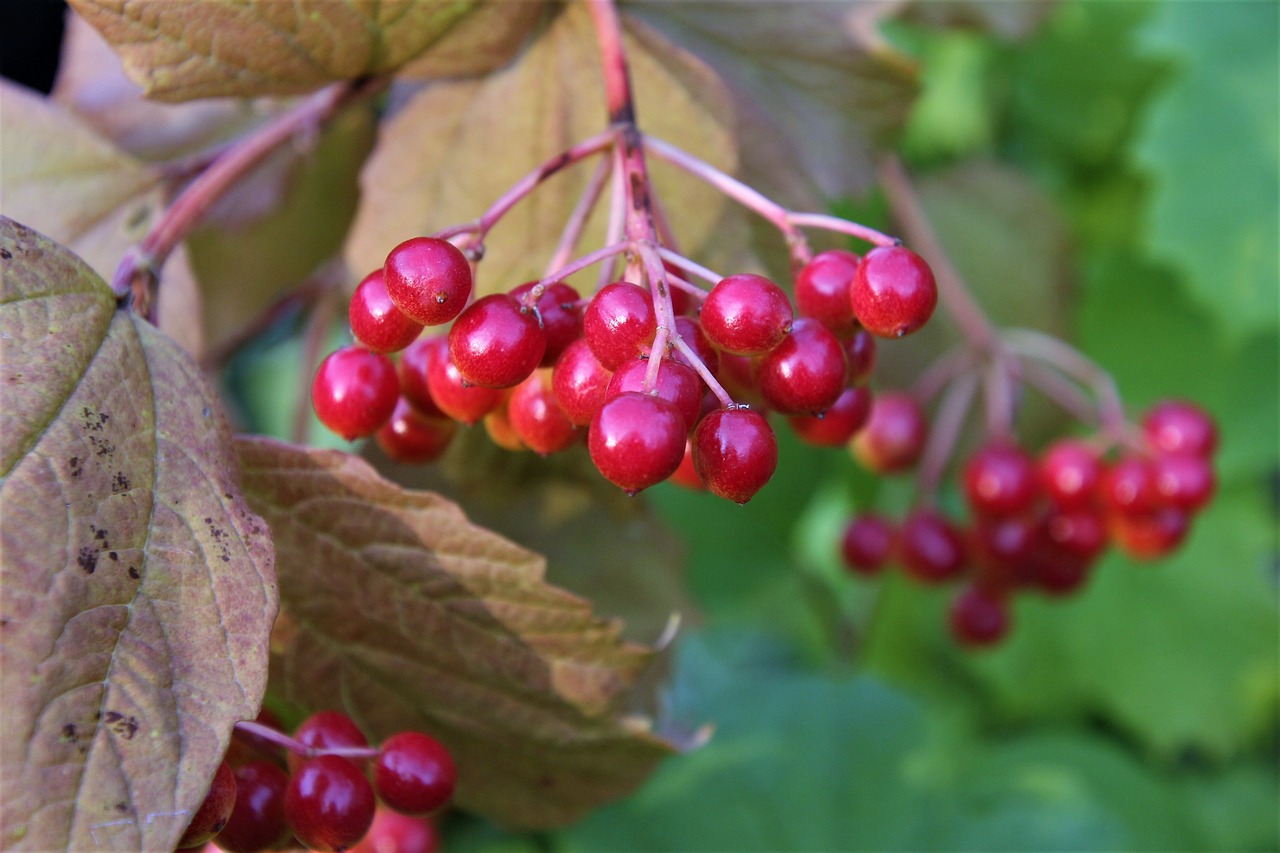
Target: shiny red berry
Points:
(1001, 479)
(839, 423)
(746, 314)
(805, 373)
(412, 438)
(326, 730)
(414, 773)
(376, 323)
(867, 543)
(675, 382)
(496, 342)
(894, 435)
(257, 822)
(579, 382)
(450, 392)
(637, 440)
(392, 832)
(355, 391)
(1069, 473)
(428, 279)
(1183, 481)
(1129, 487)
(893, 292)
(329, 803)
(541, 425)
(560, 312)
(860, 353)
(619, 323)
(931, 549)
(822, 289)
(735, 453)
(213, 813)
(1177, 426)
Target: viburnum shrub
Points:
(173, 591)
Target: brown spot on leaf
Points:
(114, 556)
(122, 807)
(125, 727)
(88, 559)
(6, 254)
(69, 732)
(119, 483)
(133, 573)
(77, 468)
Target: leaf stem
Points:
(138, 272)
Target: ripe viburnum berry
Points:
(428, 279)
(735, 453)
(746, 314)
(637, 440)
(355, 391)
(893, 292)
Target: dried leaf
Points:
(69, 183)
(207, 48)
(138, 588)
(457, 146)
(815, 90)
(411, 617)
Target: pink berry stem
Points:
(138, 271)
(703, 371)
(573, 228)
(666, 315)
(710, 276)
(748, 197)
(1057, 388)
(947, 422)
(582, 263)
(1032, 344)
(617, 216)
(843, 226)
(473, 233)
(688, 287)
(953, 293)
(938, 375)
(296, 746)
(1000, 383)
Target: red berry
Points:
(838, 424)
(1002, 547)
(414, 773)
(687, 474)
(1000, 479)
(541, 425)
(746, 314)
(893, 292)
(805, 373)
(428, 279)
(675, 382)
(326, 730)
(930, 547)
(637, 440)
(1069, 473)
(355, 391)
(212, 815)
(560, 313)
(867, 543)
(1058, 572)
(1151, 535)
(1176, 426)
(822, 288)
(579, 383)
(1129, 486)
(451, 393)
(690, 331)
(376, 323)
(894, 435)
(329, 803)
(979, 617)
(735, 453)
(393, 832)
(1183, 482)
(257, 822)
(1081, 532)
(411, 438)
(860, 353)
(412, 371)
(496, 342)
(619, 323)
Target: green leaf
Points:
(435, 163)
(1212, 147)
(399, 609)
(206, 48)
(139, 591)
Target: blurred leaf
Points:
(139, 591)
(816, 92)
(1000, 17)
(1215, 213)
(206, 48)
(400, 609)
(435, 164)
(92, 84)
(953, 116)
(71, 184)
(279, 224)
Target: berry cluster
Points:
(325, 794)
(1036, 524)
(639, 369)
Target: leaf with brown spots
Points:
(398, 608)
(138, 589)
(205, 48)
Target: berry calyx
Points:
(214, 811)
(497, 342)
(746, 314)
(428, 279)
(637, 440)
(257, 821)
(376, 322)
(354, 391)
(414, 773)
(893, 292)
(735, 453)
(893, 438)
(329, 803)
